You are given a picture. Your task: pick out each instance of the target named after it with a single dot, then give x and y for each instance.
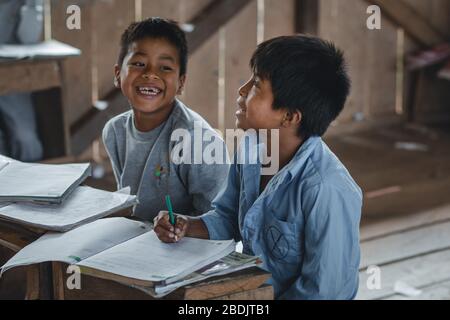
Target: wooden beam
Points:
(307, 16)
(90, 126)
(210, 19)
(415, 25)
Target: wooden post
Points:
(307, 16)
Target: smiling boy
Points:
(151, 72)
(303, 222)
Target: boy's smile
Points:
(150, 77)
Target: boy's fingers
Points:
(181, 227)
(164, 235)
(162, 220)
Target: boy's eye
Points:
(137, 64)
(166, 68)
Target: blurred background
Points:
(393, 135)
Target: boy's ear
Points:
(182, 83)
(292, 119)
(117, 76)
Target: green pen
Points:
(169, 207)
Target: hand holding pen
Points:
(169, 227)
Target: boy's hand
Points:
(165, 231)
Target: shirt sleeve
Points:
(222, 221)
(204, 181)
(331, 250)
(110, 142)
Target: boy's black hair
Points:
(157, 28)
(307, 74)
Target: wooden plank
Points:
(262, 293)
(106, 39)
(307, 16)
(391, 225)
(201, 91)
(51, 120)
(90, 126)
(238, 54)
(28, 76)
(58, 280)
(405, 245)
(349, 35)
(18, 236)
(190, 9)
(405, 16)
(370, 54)
(77, 70)
(101, 289)
(13, 283)
(433, 193)
(279, 18)
(417, 272)
(440, 13)
(33, 282)
(214, 16)
(426, 95)
(381, 71)
(241, 281)
(169, 9)
(439, 291)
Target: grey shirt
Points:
(192, 187)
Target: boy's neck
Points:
(145, 122)
(289, 143)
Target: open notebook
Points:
(47, 183)
(125, 251)
(84, 205)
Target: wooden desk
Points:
(244, 285)
(37, 279)
(45, 80)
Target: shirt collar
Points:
(303, 153)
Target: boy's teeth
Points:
(149, 91)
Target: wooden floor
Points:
(405, 229)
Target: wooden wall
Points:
(432, 94)
(90, 76)
(220, 66)
(372, 57)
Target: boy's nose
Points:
(244, 89)
(150, 76)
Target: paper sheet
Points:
(147, 258)
(3, 164)
(20, 179)
(6, 159)
(85, 204)
(78, 244)
(235, 261)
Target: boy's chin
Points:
(149, 108)
(242, 125)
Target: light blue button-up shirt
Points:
(304, 225)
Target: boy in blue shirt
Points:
(303, 222)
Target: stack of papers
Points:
(234, 262)
(84, 205)
(129, 252)
(45, 183)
